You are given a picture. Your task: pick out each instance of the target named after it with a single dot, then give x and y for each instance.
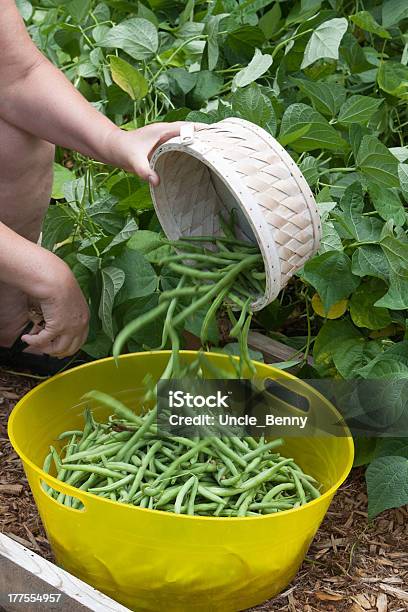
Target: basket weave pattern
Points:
(234, 163)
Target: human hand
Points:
(133, 150)
(64, 311)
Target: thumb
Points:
(142, 168)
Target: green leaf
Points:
(140, 199)
(128, 230)
(150, 244)
(141, 279)
(403, 177)
(392, 447)
(363, 312)
(112, 281)
(392, 77)
(365, 21)
(320, 135)
(193, 325)
(387, 484)
(25, 8)
(353, 54)
(387, 204)
(241, 43)
(79, 9)
(286, 139)
(309, 167)
(251, 104)
(212, 41)
(357, 226)
(370, 260)
(208, 85)
(330, 274)
(137, 37)
(259, 64)
(397, 296)
(351, 355)
(331, 240)
(358, 109)
(325, 41)
(329, 341)
(149, 336)
(89, 261)
(326, 97)
(99, 346)
(269, 22)
(61, 175)
(181, 81)
(396, 253)
(377, 163)
(393, 11)
(128, 78)
(58, 225)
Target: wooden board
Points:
(273, 350)
(23, 571)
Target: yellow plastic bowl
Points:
(153, 560)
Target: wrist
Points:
(116, 149)
(52, 275)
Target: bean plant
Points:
(329, 80)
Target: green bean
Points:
(238, 325)
(263, 476)
(195, 272)
(93, 453)
(285, 486)
(170, 313)
(69, 434)
(96, 469)
(118, 408)
(244, 505)
(211, 312)
(205, 492)
(243, 344)
(221, 239)
(298, 486)
(183, 492)
(141, 471)
(182, 292)
(215, 289)
(268, 505)
(260, 450)
(113, 485)
(193, 494)
(138, 435)
(131, 328)
(315, 493)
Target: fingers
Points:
(142, 167)
(60, 346)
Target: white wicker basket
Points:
(236, 164)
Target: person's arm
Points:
(48, 280)
(37, 97)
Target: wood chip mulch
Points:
(353, 565)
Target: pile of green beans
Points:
(128, 461)
(213, 272)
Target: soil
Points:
(353, 565)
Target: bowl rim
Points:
(326, 496)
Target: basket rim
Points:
(46, 477)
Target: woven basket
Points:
(236, 164)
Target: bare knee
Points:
(26, 164)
